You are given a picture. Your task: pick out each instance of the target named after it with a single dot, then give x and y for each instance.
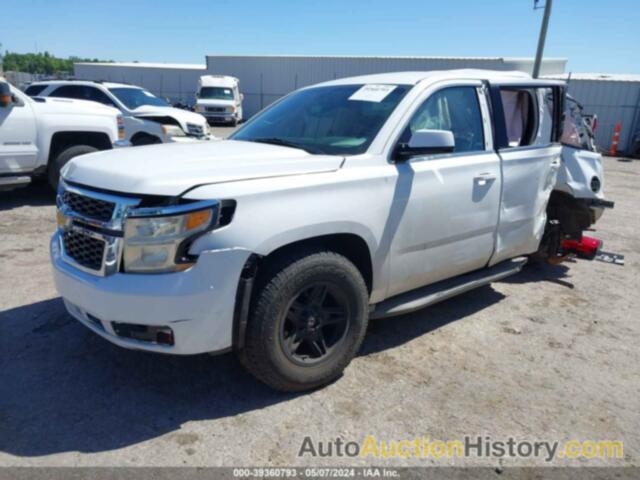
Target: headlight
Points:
(157, 239)
(198, 108)
(173, 131)
(231, 109)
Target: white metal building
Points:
(264, 79)
(613, 98)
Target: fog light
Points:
(595, 184)
(144, 333)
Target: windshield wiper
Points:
(284, 143)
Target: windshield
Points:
(216, 93)
(137, 97)
(336, 120)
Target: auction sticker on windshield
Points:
(372, 93)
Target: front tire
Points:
(53, 171)
(307, 322)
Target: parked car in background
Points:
(363, 197)
(148, 119)
(38, 136)
(219, 99)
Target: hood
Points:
(67, 106)
(182, 116)
(170, 169)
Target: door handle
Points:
(484, 178)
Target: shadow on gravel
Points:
(543, 272)
(35, 195)
(63, 388)
(386, 333)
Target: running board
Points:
(11, 182)
(425, 296)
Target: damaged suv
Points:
(147, 118)
(358, 198)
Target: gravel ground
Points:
(551, 353)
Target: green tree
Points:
(42, 63)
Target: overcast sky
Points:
(596, 36)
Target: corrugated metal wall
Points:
(612, 101)
(176, 84)
(264, 79)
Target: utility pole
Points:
(543, 36)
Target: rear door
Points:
(527, 130)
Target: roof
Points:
(603, 77)
(412, 78)
(85, 82)
(184, 66)
(218, 80)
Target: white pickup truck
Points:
(39, 136)
(358, 198)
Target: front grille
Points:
(195, 130)
(216, 109)
(83, 249)
(89, 207)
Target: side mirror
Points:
(241, 96)
(6, 97)
(426, 142)
(197, 94)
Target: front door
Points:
(18, 150)
(452, 200)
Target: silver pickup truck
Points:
(358, 198)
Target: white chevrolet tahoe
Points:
(219, 99)
(39, 136)
(147, 118)
(358, 198)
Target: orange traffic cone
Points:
(613, 151)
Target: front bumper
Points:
(121, 144)
(197, 304)
(187, 139)
(220, 117)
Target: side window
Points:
(521, 118)
(455, 109)
(69, 91)
(99, 96)
(34, 90)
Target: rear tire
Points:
(55, 165)
(308, 319)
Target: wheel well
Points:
(573, 214)
(63, 140)
(141, 136)
(349, 245)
